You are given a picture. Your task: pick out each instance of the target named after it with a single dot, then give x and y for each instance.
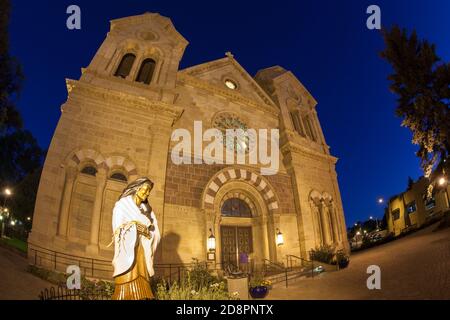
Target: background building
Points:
(116, 126)
(412, 208)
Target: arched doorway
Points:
(260, 197)
(244, 228)
(236, 233)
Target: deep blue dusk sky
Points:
(324, 43)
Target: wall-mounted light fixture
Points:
(279, 238)
(211, 242)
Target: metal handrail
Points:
(276, 265)
(95, 267)
(303, 261)
(272, 263)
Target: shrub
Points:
(88, 288)
(342, 259)
(200, 277)
(186, 290)
(199, 284)
(323, 254)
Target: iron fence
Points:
(62, 293)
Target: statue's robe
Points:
(133, 253)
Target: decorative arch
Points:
(79, 158)
(239, 174)
(122, 164)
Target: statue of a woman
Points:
(136, 236)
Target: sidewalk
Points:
(15, 282)
(414, 267)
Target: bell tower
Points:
(141, 54)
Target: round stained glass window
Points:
(236, 129)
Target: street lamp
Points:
(7, 193)
(442, 182)
(380, 200)
(4, 214)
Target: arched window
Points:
(309, 128)
(119, 176)
(295, 117)
(124, 68)
(235, 207)
(89, 170)
(146, 71)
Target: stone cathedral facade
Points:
(116, 125)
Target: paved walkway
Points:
(414, 267)
(15, 282)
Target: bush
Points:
(200, 277)
(185, 291)
(323, 254)
(342, 259)
(88, 288)
(199, 284)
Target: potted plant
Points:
(342, 259)
(259, 287)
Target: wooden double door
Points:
(236, 245)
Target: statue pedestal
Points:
(239, 285)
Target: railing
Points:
(97, 268)
(301, 262)
(270, 266)
(58, 261)
(62, 293)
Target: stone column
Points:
(335, 223)
(325, 224)
(66, 199)
(318, 238)
(100, 178)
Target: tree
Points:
(22, 204)
(20, 155)
(422, 82)
(10, 75)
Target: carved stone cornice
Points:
(183, 78)
(292, 147)
(152, 108)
